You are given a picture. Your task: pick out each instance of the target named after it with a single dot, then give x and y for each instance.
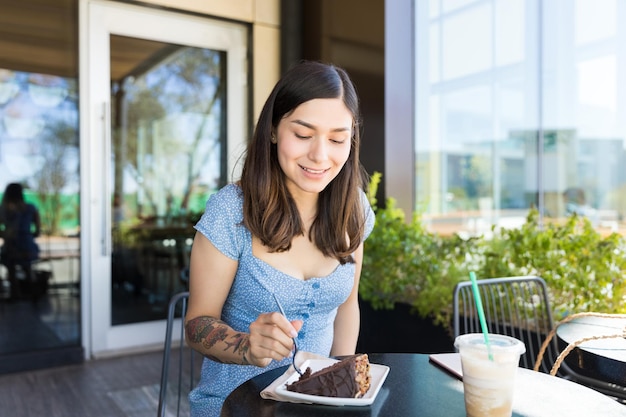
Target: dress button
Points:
(305, 315)
(316, 285)
(301, 335)
(312, 304)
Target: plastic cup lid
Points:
(496, 341)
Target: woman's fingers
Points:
(271, 336)
(297, 324)
(282, 323)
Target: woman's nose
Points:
(318, 151)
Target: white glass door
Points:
(164, 118)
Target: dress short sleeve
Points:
(370, 216)
(222, 220)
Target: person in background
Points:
(19, 226)
(293, 227)
(576, 204)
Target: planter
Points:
(400, 331)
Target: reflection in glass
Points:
(516, 120)
(39, 150)
(18, 127)
(168, 154)
(7, 91)
(47, 91)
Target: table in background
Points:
(416, 387)
(602, 359)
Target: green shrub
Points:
(584, 270)
(405, 263)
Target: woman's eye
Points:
(302, 136)
(338, 141)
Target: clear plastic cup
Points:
(488, 385)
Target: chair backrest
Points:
(181, 364)
(514, 306)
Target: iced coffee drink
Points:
(489, 374)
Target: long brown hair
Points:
(269, 211)
(13, 197)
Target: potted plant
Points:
(409, 273)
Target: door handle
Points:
(106, 164)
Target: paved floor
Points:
(115, 387)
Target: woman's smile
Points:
(314, 171)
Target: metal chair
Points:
(184, 371)
(514, 306)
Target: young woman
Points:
(293, 227)
(19, 226)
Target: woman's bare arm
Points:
(211, 277)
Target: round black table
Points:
(600, 359)
(417, 387)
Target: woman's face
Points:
(314, 143)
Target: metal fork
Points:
(295, 344)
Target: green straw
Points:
(481, 313)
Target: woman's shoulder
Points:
(225, 204)
(222, 219)
(31, 207)
(370, 216)
(229, 195)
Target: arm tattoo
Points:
(240, 344)
(209, 331)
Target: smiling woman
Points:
(293, 226)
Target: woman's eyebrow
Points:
(310, 126)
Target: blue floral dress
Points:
(315, 300)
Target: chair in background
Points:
(514, 306)
(181, 364)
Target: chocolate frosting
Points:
(337, 380)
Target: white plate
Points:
(379, 373)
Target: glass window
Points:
(40, 292)
(39, 151)
(594, 23)
(499, 82)
(466, 52)
(169, 153)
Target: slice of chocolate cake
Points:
(348, 378)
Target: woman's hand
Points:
(271, 337)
